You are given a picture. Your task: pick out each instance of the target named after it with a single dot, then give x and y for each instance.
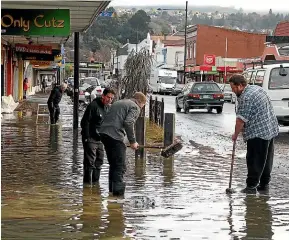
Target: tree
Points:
(140, 21)
(138, 69)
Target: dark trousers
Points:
(116, 155)
(54, 111)
(260, 154)
(24, 94)
(93, 160)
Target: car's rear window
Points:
(205, 87)
(278, 82)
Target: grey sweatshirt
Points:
(120, 120)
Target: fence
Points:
(156, 111)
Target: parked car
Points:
(200, 95)
(177, 89)
(229, 95)
(274, 79)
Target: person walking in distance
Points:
(258, 122)
(93, 147)
(53, 102)
(119, 122)
(25, 88)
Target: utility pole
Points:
(76, 80)
(185, 49)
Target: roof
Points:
(180, 42)
(282, 29)
(162, 38)
(82, 14)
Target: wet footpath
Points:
(183, 197)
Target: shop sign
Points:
(35, 22)
(40, 63)
(40, 57)
(209, 59)
(35, 49)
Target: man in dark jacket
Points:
(54, 100)
(93, 147)
(119, 122)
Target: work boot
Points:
(95, 176)
(263, 188)
(91, 176)
(249, 190)
(118, 189)
(110, 186)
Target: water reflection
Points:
(168, 171)
(55, 132)
(258, 218)
(91, 218)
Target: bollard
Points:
(151, 109)
(156, 111)
(140, 137)
(169, 129)
(162, 112)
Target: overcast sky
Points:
(258, 5)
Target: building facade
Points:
(207, 43)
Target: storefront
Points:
(211, 73)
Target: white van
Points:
(274, 79)
(163, 80)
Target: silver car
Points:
(229, 96)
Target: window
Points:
(194, 50)
(205, 87)
(277, 81)
(259, 78)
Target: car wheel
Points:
(210, 110)
(186, 108)
(219, 110)
(178, 109)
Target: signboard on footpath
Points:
(34, 49)
(35, 22)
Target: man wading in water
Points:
(90, 124)
(53, 102)
(119, 122)
(257, 120)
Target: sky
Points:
(258, 5)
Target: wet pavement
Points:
(43, 196)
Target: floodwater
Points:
(43, 196)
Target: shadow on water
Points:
(43, 196)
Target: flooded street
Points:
(43, 196)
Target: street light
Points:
(186, 23)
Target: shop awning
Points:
(82, 14)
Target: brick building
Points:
(275, 51)
(230, 45)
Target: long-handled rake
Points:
(166, 151)
(230, 190)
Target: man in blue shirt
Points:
(257, 120)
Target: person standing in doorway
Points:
(53, 102)
(25, 88)
(258, 122)
(44, 85)
(119, 122)
(93, 147)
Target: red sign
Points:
(209, 59)
(36, 49)
(228, 69)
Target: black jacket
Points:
(92, 119)
(55, 96)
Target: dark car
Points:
(200, 95)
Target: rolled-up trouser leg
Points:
(52, 113)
